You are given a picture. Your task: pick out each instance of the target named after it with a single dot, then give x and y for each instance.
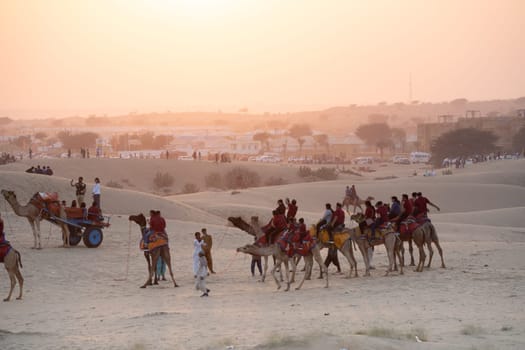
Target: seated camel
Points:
(12, 262)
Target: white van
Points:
(419, 157)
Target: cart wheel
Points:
(92, 237)
(75, 235)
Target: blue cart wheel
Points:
(92, 237)
(75, 235)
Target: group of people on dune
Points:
(94, 212)
(283, 219)
(396, 212)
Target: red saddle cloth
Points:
(155, 240)
(47, 200)
(407, 227)
(291, 244)
(5, 247)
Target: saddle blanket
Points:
(339, 238)
(155, 240)
(5, 247)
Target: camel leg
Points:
(274, 276)
(20, 281)
(287, 272)
(430, 252)
(400, 256)
(422, 257)
(292, 270)
(402, 252)
(265, 268)
(39, 241)
(13, 282)
(308, 262)
(411, 251)
(32, 223)
(147, 255)
(154, 257)
(317, 256)
(346, 250)
(364, 252)
(165, 254)
(440, 251)
(389, 245)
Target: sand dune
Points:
(89, 298)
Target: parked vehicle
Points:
(419, 157)
(363, 160)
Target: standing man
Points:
(96, 192)
(80, 189)
(197, 248)
(208, 241)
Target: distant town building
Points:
(503, 127)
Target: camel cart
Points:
(82, 228)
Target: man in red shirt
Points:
(277, 225)
(338, 221)
(292, 209)
(370, 217)
(381, 213)
(407, 209)
(420, 205)
(94, 212)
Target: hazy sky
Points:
(70, 57)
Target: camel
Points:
(391, 241)
(357, 202)
(345, 247)
(254, 229)
(152, 256)
(428, 235)
(13, 262)
(34, 215)
(282, 257)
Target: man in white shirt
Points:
(96, 192)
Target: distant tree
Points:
(146, 140)
(40, 135)
(376, 134)
(22, 141)
(399, 136)
(298, 131)
(462, 143)
(264, 138)
(322, 140)
(80, 140)
(518, 141)
(161, 141)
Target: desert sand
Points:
(80, 298)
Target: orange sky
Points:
(68, 57)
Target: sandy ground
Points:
(81, 298)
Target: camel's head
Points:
(8, 194)
(139, 219)
(370, 198)
(247, 249)
(358, 217)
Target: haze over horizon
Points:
(61, 58)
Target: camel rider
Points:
(381, 214)
(413, 201)
(349, 193)
(338, 221)
(370, 216)
(281, 209)
(278, 224)
(395, 209)
(420, 205)
(292, 209)
(326, 219)
(302, 229)
(156, 224)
